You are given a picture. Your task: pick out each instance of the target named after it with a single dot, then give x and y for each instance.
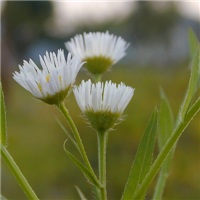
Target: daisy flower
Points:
(102, 104)
(100, 50)
(52, 83)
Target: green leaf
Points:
(165, 129)
(17, 173)
(81, 195)
(3, 120)
(143, 159)
(68, 135)
(165, 121)
(83, 168)
(193, 42)
(193, 85)
(166, 149)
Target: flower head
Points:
(103, 104)
(53, 82)
(100, 50)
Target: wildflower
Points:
(103, 105)
(100, 50)
(53, 82)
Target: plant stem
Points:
(102, 141)
(167, 148)
(65, 112)
(18, 174)
(160, 186)
(97, 78)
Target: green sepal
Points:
(98, 65)
(83, 168)
(81, 195)
(143, 159)
(3, 120)
(102, 120)
(57, 98)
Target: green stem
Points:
(166, 149)
(65, 112)
(102, 141)
(97, 78)
(160, 186)
(18, 174)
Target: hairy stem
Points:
(65, 112)
(102, 141)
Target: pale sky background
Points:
(68, 14)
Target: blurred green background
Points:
(158, 56)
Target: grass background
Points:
(36, 140)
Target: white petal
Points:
(56, 74)
(97, 44)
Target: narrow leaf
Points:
(143, 159)
(3, 120)
(166, 149)
(81, 195)
(193, 42)
(68, 135)
(193, 85)
(84, 169)
(165, 121)
(165, 129)
(17, 173)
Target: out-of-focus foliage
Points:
(24, 22)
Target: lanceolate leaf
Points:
(3, 120)
(143, 159)
(165, 121)
(166, 149)
(165, 129)
(17, 173)
(68, 135)
(84, 169)
(193, 42)
(193, 85)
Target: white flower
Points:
(52, 83)
(103, 105)
(100, 50)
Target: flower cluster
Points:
(101, 104)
